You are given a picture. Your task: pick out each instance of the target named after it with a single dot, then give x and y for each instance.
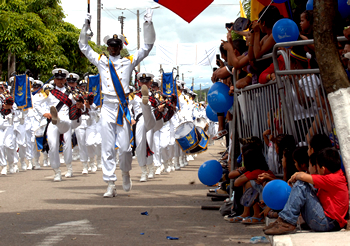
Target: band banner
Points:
(29, 96)
(94, 86)
(167, 83)
(20, 85)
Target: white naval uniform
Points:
(86, 134)
(7, 138)
(144, 125)
(54, 131)
(113, 134)
(20, 136)
(39, 121)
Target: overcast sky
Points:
(208, 27)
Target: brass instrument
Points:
(6, 98)
(81, 95)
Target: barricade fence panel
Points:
(295, 104)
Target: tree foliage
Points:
(34, 30)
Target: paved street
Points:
(34, 210)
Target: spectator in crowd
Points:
(301, 159)
(285, 145)
(260, 45)
(322, 211)
(317, 143)
(255, 164)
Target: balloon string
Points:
(265, 10)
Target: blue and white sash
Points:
(123, 110)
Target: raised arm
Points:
(149, 37)
(84, 45)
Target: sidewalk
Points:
(341, 238)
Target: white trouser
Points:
(98, 139)
(156, 149)
(86, 149)
(29, 138)
(53, 139)
(20, 136)
(7, 145)
(67, 146)
(146, 123)
(113, 134)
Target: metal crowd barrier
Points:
(295, 103)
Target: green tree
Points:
(34, 31)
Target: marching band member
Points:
(115, 75)
(19, 135)
(145, 121)
(156, 138)
(7, 140)
(86, 133)
(63, 110)
(72, 79)
(38, 95)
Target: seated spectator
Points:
(255, 164)
(285, 145)
(317, 143)
(312, 164)
(301, 159)
(322, 211)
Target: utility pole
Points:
(121, 19)
(183, 77)
(138, 35)
(99, 22)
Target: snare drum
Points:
(202, 144)
(187, 136)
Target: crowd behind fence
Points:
(295, 104)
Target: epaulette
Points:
(131, 58)
(103, 54)
(131, 96)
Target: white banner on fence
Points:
(186, 54)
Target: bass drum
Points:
(202, 144)
(187, 136)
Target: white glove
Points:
(88, 19)
(148, 15)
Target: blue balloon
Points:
(210, 172)
(285, 30)
(279, 1)
(310, 5)
(218, 98)
(276, 193)
(344, 8)
(211, 114)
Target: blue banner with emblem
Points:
(168, 83)
(20, 85)
(94, 86)
(29, 96)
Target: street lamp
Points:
(138, 27)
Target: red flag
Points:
(186, 9)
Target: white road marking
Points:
(1, 191)
(58, 232)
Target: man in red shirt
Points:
(324, 211)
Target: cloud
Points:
(209, 26)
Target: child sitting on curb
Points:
(324, 211)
